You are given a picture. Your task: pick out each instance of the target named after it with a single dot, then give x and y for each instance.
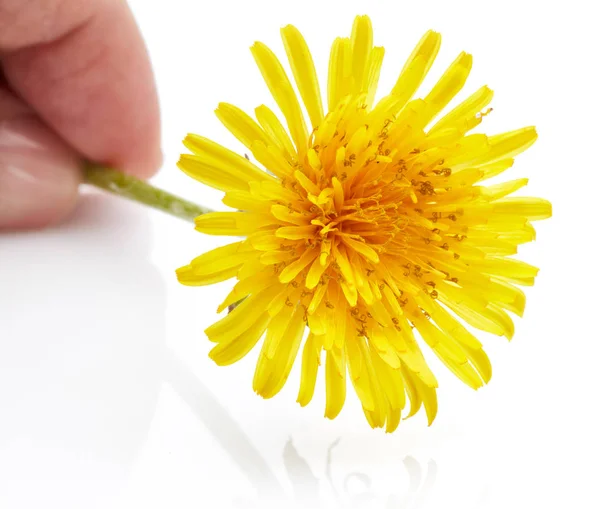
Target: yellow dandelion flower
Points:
(369, 227)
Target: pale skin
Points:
(75, 84)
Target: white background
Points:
(108, 399)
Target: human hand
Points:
(77, 83)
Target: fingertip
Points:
(142, 166)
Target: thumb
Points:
(39, 174)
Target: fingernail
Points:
(39, 175)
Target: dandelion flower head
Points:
(367, 231)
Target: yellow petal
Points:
(414, 396)
(314, 274)
(305, 75)
(393, 420)
(214, 266)
(335, 383)
(391, 382)
(364, 249)
(243, 200)
(429, 397)
(458, 117)
(240, 124)
(278, 368)
(275, 131)
(242, 317)
(272, 159)
(506, 267)
(375, 62)
(498, 191)
(283, 93)
(533, 209)
(310, 364)
(232, 223)
(187, 276)
(246, 286)
(317, 298)
(216, 163)
(340, 68)
(448, 86)
(357, 367)
(221, 258)
(507, 145)
(416, 67)
(294, 268)
(361, 43)
(296, 232)
(496, 168)
(228, 352)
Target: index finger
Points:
(83, 66)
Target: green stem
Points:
(135, 189)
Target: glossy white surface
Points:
(107, 396)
